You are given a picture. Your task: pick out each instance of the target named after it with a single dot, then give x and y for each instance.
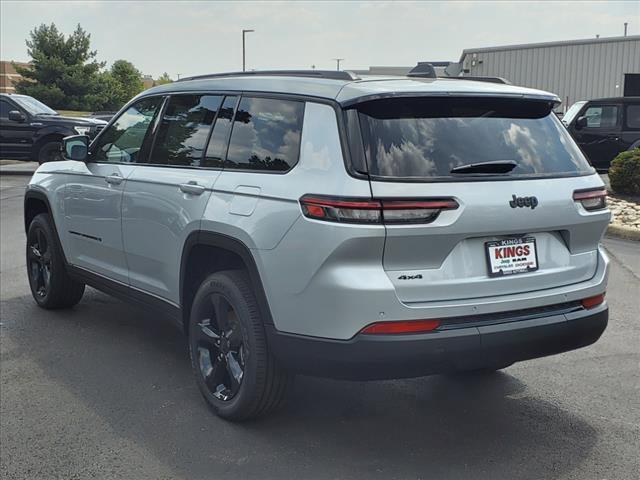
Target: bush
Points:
(624, 173)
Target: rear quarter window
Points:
(265, 135)
(428, 137)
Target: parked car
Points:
(318, 223)
(30, 130)
(604, 127)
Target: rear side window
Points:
(266, 135)
(602, 116)
(633, 117)
(428, 137)
(184, 129)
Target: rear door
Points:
(446, 251)
(93, 195)
(165, 197)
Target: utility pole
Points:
(178, 76)
(625, 28)
(338, 60)
(243, 49)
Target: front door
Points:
(93, 195)
(16, 138)
(166, 196)
(600, 138)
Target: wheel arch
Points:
(207, 252)
(35, 203)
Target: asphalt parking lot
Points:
(105, 391)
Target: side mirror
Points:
(76, 147)
(581, 122)
(17, 116)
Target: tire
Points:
(225, 307)
(50, 284)
(50, 152)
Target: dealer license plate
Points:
(511, 256)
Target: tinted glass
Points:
(427, 137)
(33, 106)
(184, 129)
(633, 116)
(219, 137)
(5, 108)
(266, 134)
(123, 141)
(602, 116)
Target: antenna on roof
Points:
(422, 70)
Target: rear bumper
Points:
(369, 357)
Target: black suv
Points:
(29, 130)
(604, 127)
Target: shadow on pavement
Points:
(132, 370)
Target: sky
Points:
(190, 38)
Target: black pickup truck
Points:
(604, 127)
(29, 130)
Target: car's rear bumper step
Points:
(369, 357)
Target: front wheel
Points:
(50, 283)
(235, 372)
(50, 152)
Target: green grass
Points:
(74, 113)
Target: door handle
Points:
(114, 179)
(192, 188)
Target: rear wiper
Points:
(498, 166)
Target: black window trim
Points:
(15, 106)
(239, 94)
(213, 125)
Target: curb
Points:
(627, 233)
(17, 172)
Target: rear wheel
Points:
(235, 372)
(49, 281)
(50, 152)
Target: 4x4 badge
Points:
(531, 202)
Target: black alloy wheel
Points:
(39, 257)
(220, 349)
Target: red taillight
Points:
(592, 301)
(349, 210)
(409, 326)
(594, 199)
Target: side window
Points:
(602, 116)
(123, 141)
(184, 129)
(266, 134)
(5, 108)
(633, 116)
(218, 143)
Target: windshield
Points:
(33, 106)
(429, 137)
(572, 112)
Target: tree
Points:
(63, 69)
(65, 74)
(164, 78)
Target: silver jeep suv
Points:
(320, 223)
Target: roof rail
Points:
(482, 79)
(328, 74)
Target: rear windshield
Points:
(428, 137)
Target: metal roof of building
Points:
(561, 43)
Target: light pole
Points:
(243, 54)
(338, 60)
